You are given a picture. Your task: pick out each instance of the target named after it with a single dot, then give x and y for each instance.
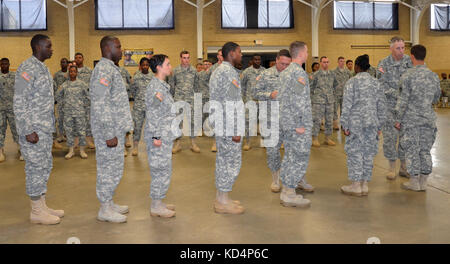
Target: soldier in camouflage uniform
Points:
(445, 88)
(202, 85)
(342, 76)
(248, 82)
(389, 73)
(138, 87)
(295, 125)
(34, 113)
(159, 135)
(111, 120)
(363, 116)
(74, 94)
(6, 106)
(84, 74)
(60, 77)
(182, 83)
(323, 90)
(225, 88)
(415, 116)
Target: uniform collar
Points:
(106, 60)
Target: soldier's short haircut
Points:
(363, 62)
(323, 57)
(36, 40)
(5, 59)
(419, 52)
(296, 47)
(206, 61)
(73, 66)
(341, 58)
(229, 47)
(183, 52)
(157, 60)
(348, 61)
(396, 39)
(314, 64)
(65, 59)
(106, 40)
(283, 52)
(79, 53)
(199, 64)
(144, 59)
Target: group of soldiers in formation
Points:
(93, 109)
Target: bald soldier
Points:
(183, 89)
(110, 121)
(34, 113)
(389, 72)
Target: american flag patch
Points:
(235, 83)
(301, 80)
(26, 76)
(104, 82)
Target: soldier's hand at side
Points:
(112, 143)
(33, 138)
(236, 139)
(347, 132)
(300, 130)
(274, 94)
(397, 125)
(157, 142)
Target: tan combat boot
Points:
(315, 142)
(353, 189)
(391, 173)
(289, 198)
(194, 147)
(402, 172)
(413, 184)
(176, 147)
(329, 142)
(39, 215)
(275, 186)
(135, 151)
(365, 188)
(58, 213)
(83, 154)
(57, 145)
(70, 154)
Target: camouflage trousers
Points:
(320, 111)
(88, 122)
(138, 120)
(361, 148)
(60, 120)
(75, 126)
(228, 163)
(337, 104)
(296, 157)
(38, 163)
(110, 162)
(417, 142)
(273, 156)
(160, 162)
(7, 117)
(392, 147)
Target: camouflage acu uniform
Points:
(159, 122)
(84, 74)
(363, 114)
(323, 87)
(138, 89)
(342, 76)
(76, 100)
(390, 80)
(225, 87)
(127, 79)
(182, 83)
(248, 82)
(59, 78)
(111, 117)
(295, 112)
(34, 112)
(420, 89)
(6, 107)
(266, 83)
(445, 87)
(372, 71)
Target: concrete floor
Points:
(389, 213)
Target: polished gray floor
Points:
(388, 213)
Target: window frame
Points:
(134, 28)
(291, 18)
(395, 17)
(20, 17)
(448, 17)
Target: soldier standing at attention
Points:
(323, 87)
(342, 76)
(363, 116)
(225, 88)
(35, 120)
(389, 72)
(159, 136)
(414, 115)
(111, 120)
(60, 77)
(7, 79)
(183, 89)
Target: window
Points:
(23, 15)
(134, 14)
(257, 14)
(440, 17)
(365, 15)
